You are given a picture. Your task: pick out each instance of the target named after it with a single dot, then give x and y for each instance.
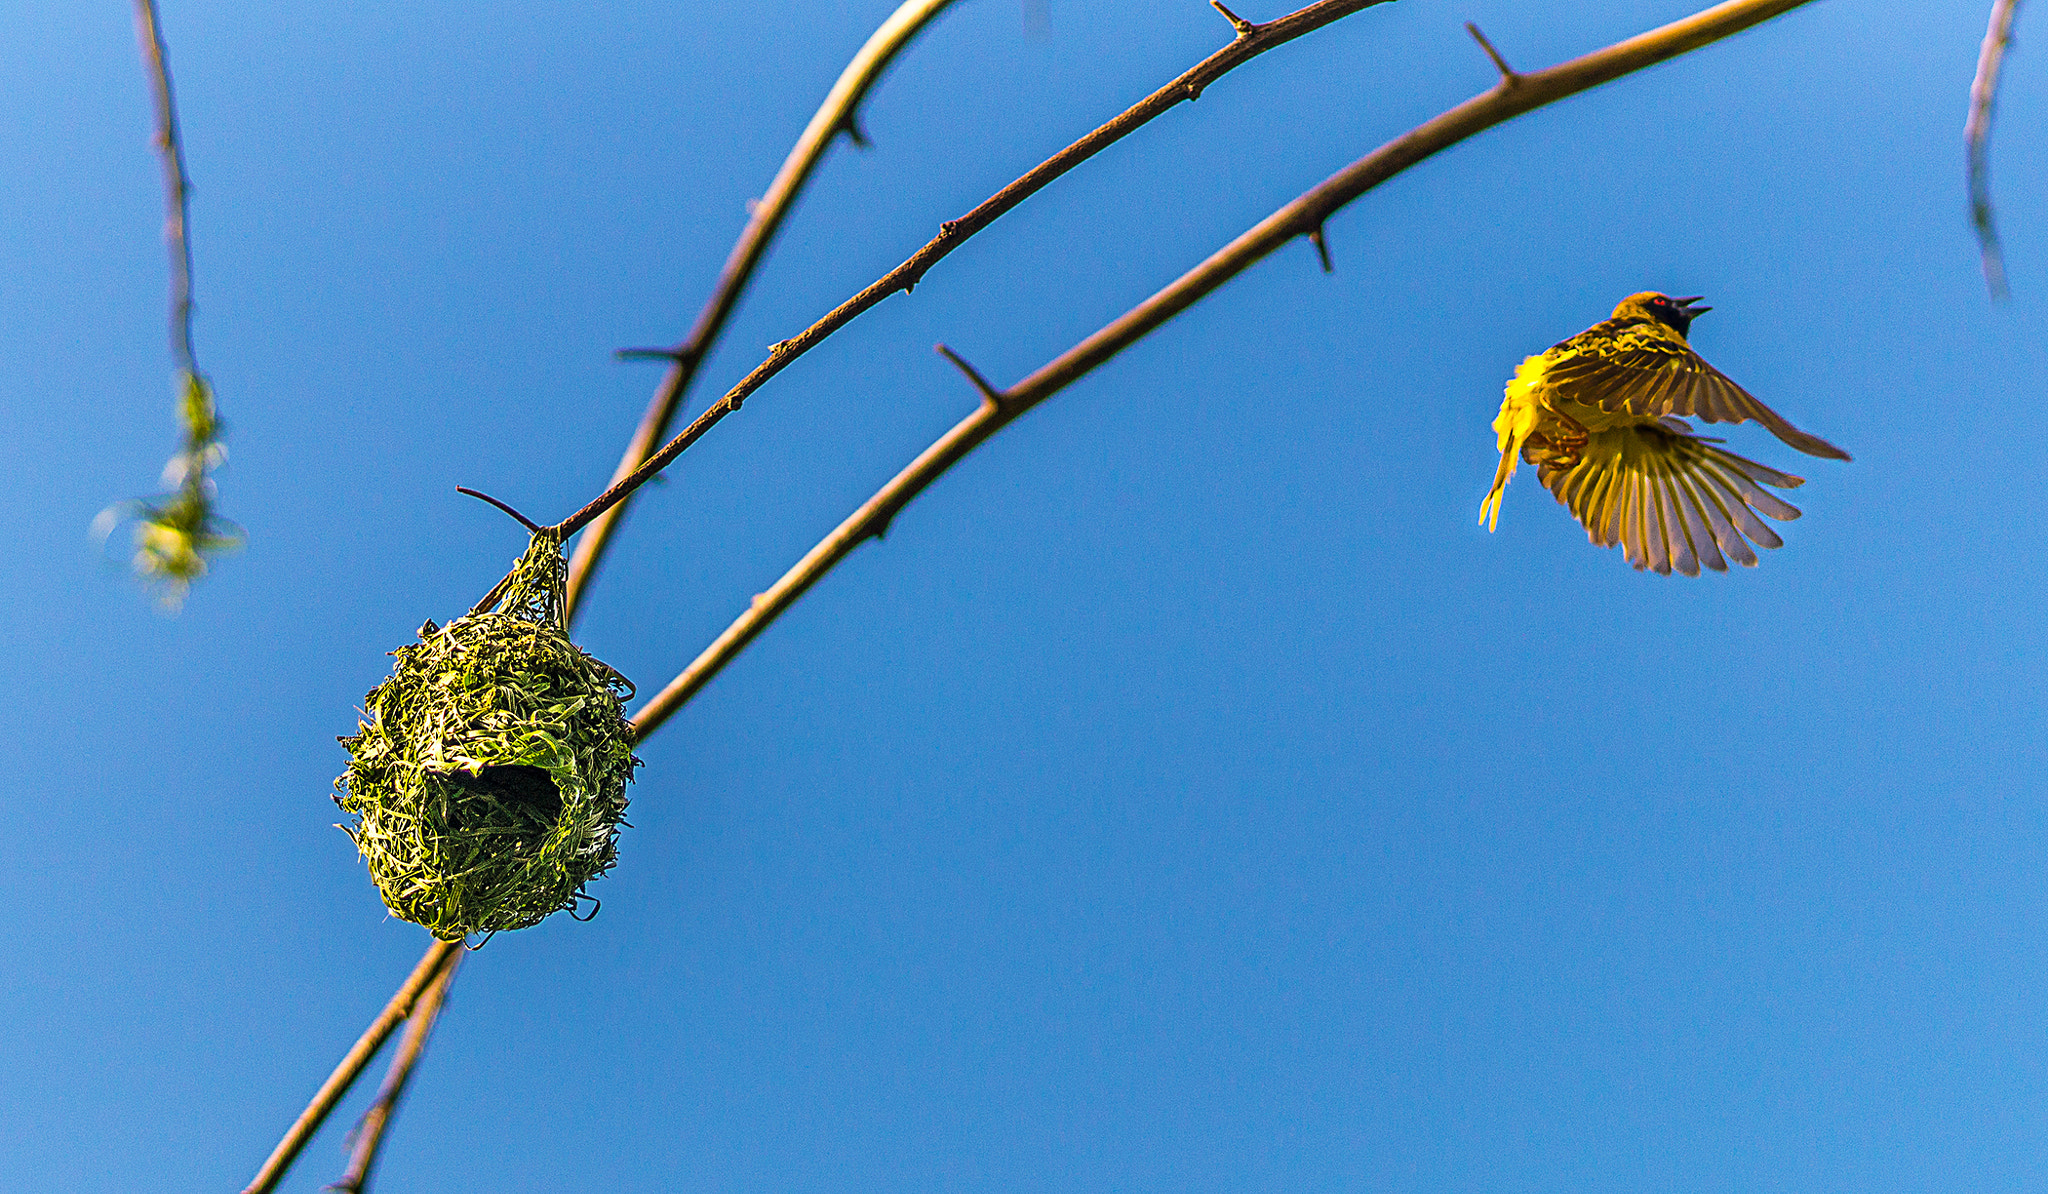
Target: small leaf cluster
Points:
(176, 534)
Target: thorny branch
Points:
(1977, 140)
(1511, 97)
(839, 113)
(1248, 44)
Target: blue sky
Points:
(1187, 794)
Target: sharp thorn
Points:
(1508, 77)
(1238, 23)
(989, 393)
(1315, 237)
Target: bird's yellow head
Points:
(1674, 313)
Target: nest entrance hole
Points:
(529, 789)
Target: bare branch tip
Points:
(523, 520)
(1508, 76)
(1993, 258)
(1244, 28)
(988, 392)
(1977, 142)
(1994, 279)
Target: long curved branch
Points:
(1251, 41)
(1514, 95)
(836, 115)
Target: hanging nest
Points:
(488, 782)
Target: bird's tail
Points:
(1512, 427)
(1489, 510)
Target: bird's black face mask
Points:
(1678, 313)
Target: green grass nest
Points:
(488, 783)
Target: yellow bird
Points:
(1596, 416)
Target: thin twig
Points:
(370, 1129)
(177, 187)
(1977, 141)
(522, 519)
(438, 957)
(953, 233)
(1298, 218)
(834, 116)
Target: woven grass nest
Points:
(488, 779)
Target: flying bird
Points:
(1597, 416)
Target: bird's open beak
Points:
(1686, 305)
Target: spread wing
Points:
(1670, 498)
(1644, 368)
